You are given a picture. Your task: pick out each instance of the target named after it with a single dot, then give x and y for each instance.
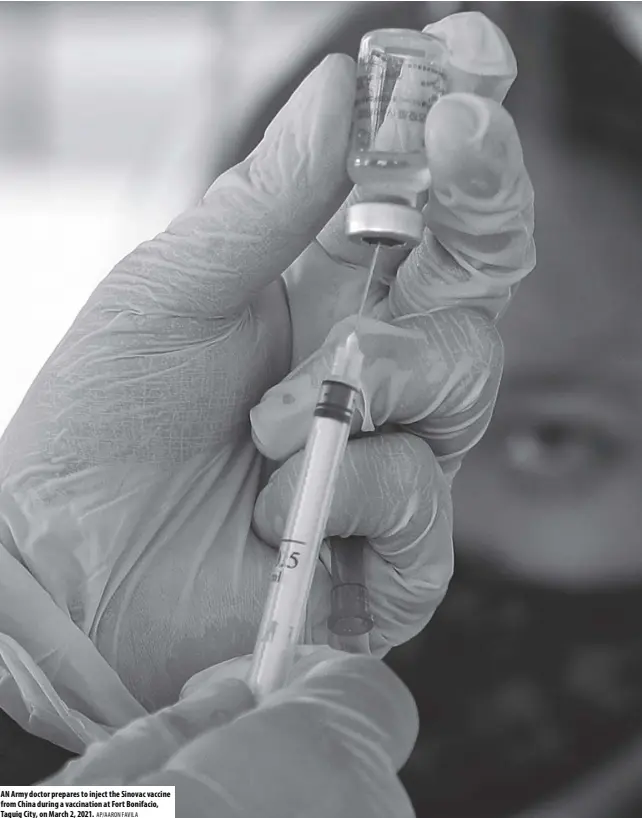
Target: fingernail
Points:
(282, 419)
(460, 118)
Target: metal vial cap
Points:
(385, 223)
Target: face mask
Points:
(521, 689)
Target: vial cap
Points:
(385, 223)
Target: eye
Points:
(556, 450)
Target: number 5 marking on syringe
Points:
(290, 561)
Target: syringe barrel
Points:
(285, 609)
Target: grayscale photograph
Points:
(321, 409)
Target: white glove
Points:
(328, 744)
(129, 477)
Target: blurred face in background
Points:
(530, 672)
(554, 490)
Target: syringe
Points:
(291, 581)
(389, 162)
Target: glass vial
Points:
(400, 75)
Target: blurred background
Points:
(114, 117)
(107, 130)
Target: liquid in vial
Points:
(400, 75)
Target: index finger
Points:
(481, 60)
(479, 241)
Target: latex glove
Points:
(128, 477)
(328, 744)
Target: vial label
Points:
(393, 96)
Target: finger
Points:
(208, 700)
(435, 374)
(148, 743)
(391, 715)
(205, 683)
(480, 214)
(480, 61)
(259, 216)
(326, 746)
(391, 490)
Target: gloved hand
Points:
(129, 478)
(328, 744)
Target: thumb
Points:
(259, 216)
(326, 745)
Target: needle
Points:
(364, 297)
(285, 609)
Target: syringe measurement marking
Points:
(281, 564)
(292, 555)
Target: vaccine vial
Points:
(400, 75)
